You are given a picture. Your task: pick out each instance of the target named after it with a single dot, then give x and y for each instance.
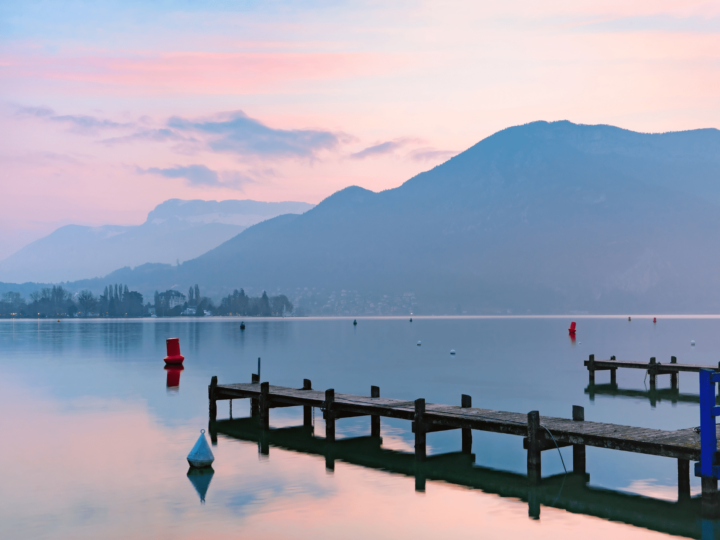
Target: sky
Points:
(110, 107)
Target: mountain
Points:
(174, 230)
(540, 218)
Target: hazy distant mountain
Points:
(174, 230)
(545, 217)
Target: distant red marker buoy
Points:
(173, 351)
(572, 327)
(629, 319)
(654, 319)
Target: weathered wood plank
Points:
(681, 444)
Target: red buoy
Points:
(572, 327)
(654, 319)
(173, 351)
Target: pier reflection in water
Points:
(653, 395)
(570, 492)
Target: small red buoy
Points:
(572, 327)
(173, 351)
(629, 319)
(654, 319)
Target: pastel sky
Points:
(111, 107)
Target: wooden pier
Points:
(653, 369)
(539, 432)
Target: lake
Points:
(96, 431)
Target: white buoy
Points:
(419, 343)
(452, 351)
(692, 343)
(201, 455)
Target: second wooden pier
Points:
(653, 369)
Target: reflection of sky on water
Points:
(98, 444)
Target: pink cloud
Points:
(188, 72)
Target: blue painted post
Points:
(708, 470)
(708, 436)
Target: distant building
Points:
(172, 298)
(189, 311)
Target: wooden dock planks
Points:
(683, 444)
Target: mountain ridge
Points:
(175, 229)
(546, 217)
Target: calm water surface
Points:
(96, 430)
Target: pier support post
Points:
(265, 405)
(533, 504)
(708, 445)
(420, 478)
(307, 409)
(211, 397)
(263, 444)
(420, 433)
(375, 418)
(709, 496)
(534, 463)
(466, 403)
(673, 376)
(683, 480)
(653, 376)
(212, 429)
(578, 415)
(255, 403)
(591, 369)
(613, 373)
(329, 415)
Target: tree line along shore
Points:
(118, 301)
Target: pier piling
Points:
(534, 454)
(329, 415)
(420, 430)
(652, 370)
(709, 496)
(466, 403)
(265, 405)
(255, 403)
(673, 376)
(211, 396)
(375, 418)
(578, 415)
(307, 409)
(683, 479)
